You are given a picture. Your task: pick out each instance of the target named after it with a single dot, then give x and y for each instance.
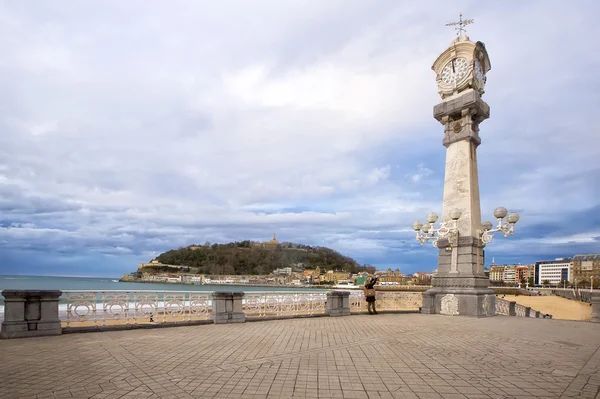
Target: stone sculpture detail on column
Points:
(488, 305)
(449, 305)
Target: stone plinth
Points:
(227, 307)
(595, 317)
(459, 302)
(338, 303)
(30, 313)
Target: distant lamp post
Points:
(448, 229)
(487, 231)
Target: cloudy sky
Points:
(128, 128)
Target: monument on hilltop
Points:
(459, 285)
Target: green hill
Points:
(248, 257)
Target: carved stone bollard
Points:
(338, 303)
(30, 313)
(595, 317)
(227, 307)
(527, 311)
(537, 314)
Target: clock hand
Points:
(453, 71)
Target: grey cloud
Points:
(129, 129)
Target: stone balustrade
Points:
(583, 295)
(512, 308)
(35, 313)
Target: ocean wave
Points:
(15, 278)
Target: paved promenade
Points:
(383, 356)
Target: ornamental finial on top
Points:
(460, 25)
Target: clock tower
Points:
(459, 285)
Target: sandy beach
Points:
(559, 308)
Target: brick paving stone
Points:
(387, 356)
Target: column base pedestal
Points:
(473, 302)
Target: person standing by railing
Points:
(370, 294)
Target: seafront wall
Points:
(35, 313)
(579, 295)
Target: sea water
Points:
(113, 284)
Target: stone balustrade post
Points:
(338, 303)
(428, 303)
(30, 313)
(595, 317)
(227, 307)
(512, 308)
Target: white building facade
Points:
(553, 271)
(509, 274)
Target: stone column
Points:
(595, 317)
(30, 313)
(338, 303)
(460, 286)
(227, 307)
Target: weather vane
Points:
(460, 25)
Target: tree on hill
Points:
(250, 258)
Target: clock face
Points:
(478, 72)
(454, 71)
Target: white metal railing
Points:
(101, 308)
(387, 300)
(278, 304)
(502, 306)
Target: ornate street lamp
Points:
(447, 229)
(508, 227)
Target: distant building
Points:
(509, 274)
(585, 267)
(360, 280)
(335, 276)
(156, 263)
(522, 273)
(287, 271)
(531, 272)
(391, 276)
(553, 271)
(272, 244)
(422, 278)
(496, 273)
